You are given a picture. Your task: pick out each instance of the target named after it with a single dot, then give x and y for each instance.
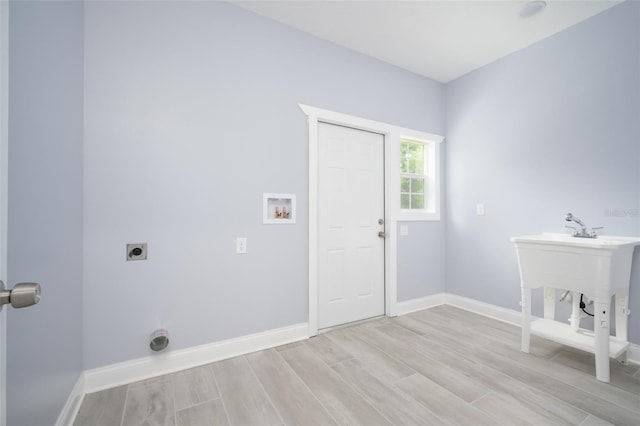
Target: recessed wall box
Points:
(278, 208)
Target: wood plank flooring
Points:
(441, 366)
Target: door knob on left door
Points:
(381, 234)
(21, 296)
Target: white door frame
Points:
(392, 136)
(4, 103)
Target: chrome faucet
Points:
(582, 233)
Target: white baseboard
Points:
(634, 354)
(72, 406)
(170, 362)
(152, 366)
(414, 305)
(492, 311)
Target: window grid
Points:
(413, 175)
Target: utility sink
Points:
(596, 267)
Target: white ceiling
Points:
(439, 39)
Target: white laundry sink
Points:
(596, 267)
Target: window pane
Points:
(405, 185)
(417, 201)
(412, 185)
(415, 153)
(405, 201)
(418, 164)
(404, 157)
(417, 186)
(411, 157)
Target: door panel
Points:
(351, 202)
(4, 40)
(335, 275)
(45, 195)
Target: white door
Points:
(350, 218)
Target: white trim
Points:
(72, 406)
(313, 222)
(392, 136)
(333, 117)
(151, 366)
(414, 305)
(634, 354)
(492, 311)
(391, 158)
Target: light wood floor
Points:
(442, 366)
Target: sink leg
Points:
(624, 358)
(601, 328)
(526, 319)
(622, 315)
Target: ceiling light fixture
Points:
(532, 8)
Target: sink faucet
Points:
(582, 233)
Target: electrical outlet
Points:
(241, 245)
(137, 251)
(480, 209)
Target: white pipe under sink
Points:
(576, 313)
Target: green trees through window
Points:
(412, 175)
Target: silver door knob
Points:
(382, 234)
(21, 296)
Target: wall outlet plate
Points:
(137, 251)
(241, 245)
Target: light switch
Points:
(480, 209)
(404, 230)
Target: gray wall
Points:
(191, 113)
(44, 354)
(551, 129)
(421, 260)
